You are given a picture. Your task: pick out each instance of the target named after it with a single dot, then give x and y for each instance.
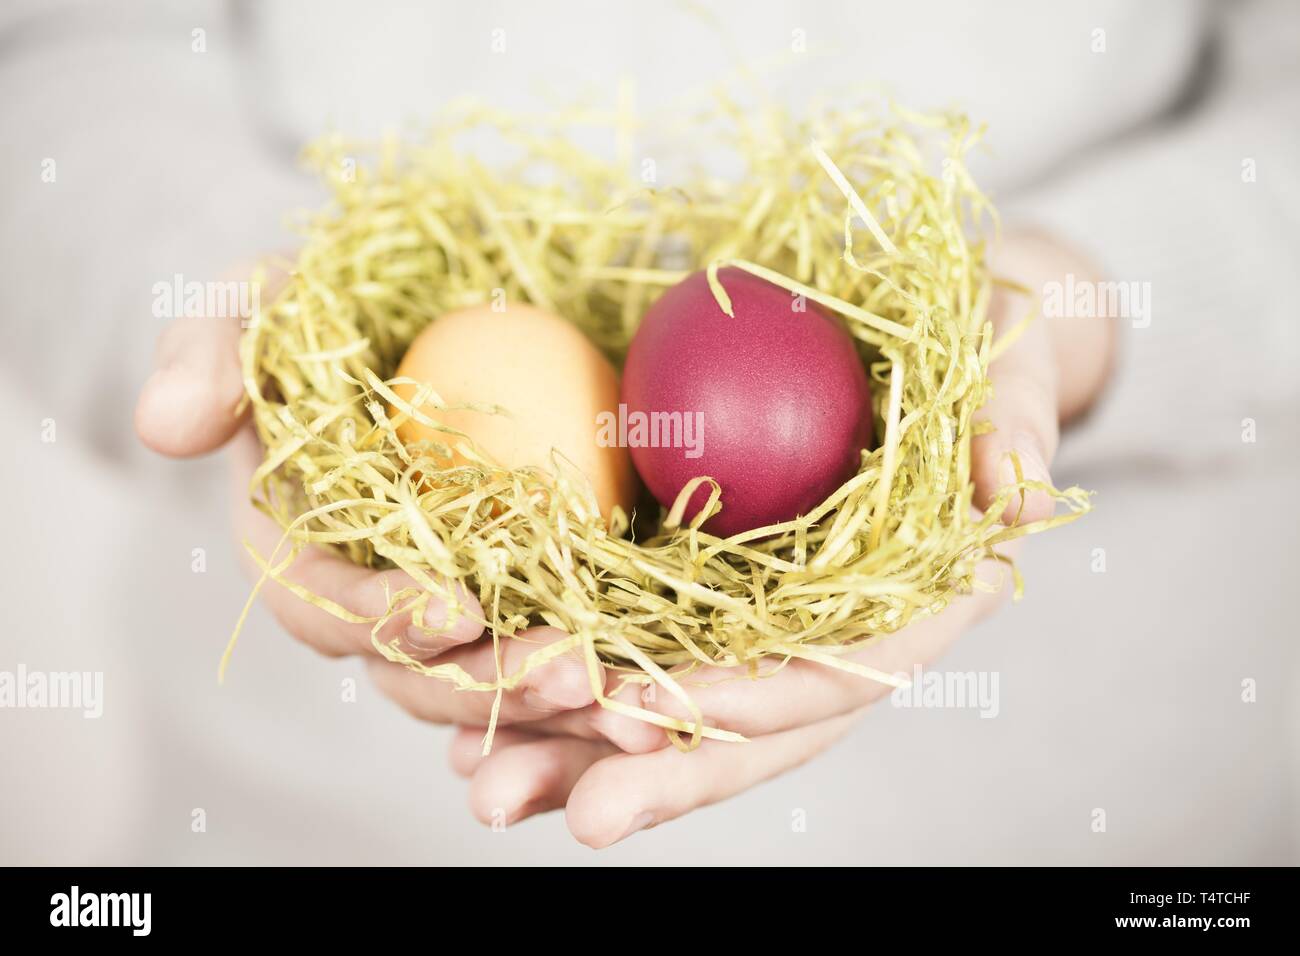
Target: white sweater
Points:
(1162, 137)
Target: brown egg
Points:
(547, 374)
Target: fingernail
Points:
(439, 631)
(1032, 465)
(425, 640)
(639, 822)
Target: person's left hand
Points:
(1048, 375)
(608, 794)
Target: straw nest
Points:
(871, 214)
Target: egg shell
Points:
(784, 399)
(548, 375)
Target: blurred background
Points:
(1151, 670)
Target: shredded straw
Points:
(875, 218)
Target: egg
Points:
(553, 382)
(777, 395)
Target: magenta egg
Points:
(773, 403)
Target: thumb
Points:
(188, 405)
(1023, 415)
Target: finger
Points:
(530, 777)
(361, 591)
(627, 733)
(597, 722)
(465, 752)
(625, 793)
(557, 685)
(1023, 412)
(804, 692)
(188, 405)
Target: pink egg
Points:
(773, 403)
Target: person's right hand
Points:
(188, 408)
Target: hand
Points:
(1049, 375)
(188, 408)
(790, 717)
(1048, 378)
(569, 751)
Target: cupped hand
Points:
(1049, 374)
(789, 716)
(188, 407)
(616, 775)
